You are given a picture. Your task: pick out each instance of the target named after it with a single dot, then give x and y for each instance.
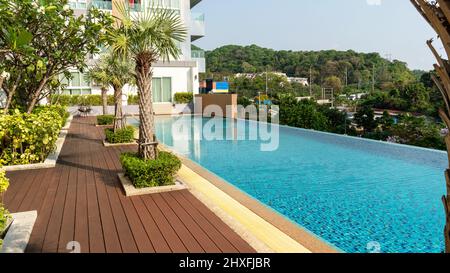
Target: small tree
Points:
(120, 73)
(147, 37)
(60, 40)
(99, 75)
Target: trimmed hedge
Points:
(105, 120)
(89, 100)
(125, 135)
(151, 173)
(29, 138)
(183, 97)
(76, 100)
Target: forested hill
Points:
(357, 66)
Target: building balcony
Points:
(194, 3)
(199, 57)
(103, 5)
(198, 29)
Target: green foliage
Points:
(105, 120)
(233, 59)
(184, 97)
(76, 100)
(151, 173)
(28, 138)
(59, 40)
(418, 131)
(302, 114)
(4, 214)
(59, 109)
(4, 182)
(243, 101)
(125, 135)
(133, 99)
(365, 118)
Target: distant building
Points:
(302, 81)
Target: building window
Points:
(78, 85)
(78, 4)
(162, 90)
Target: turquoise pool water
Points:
(358, 195)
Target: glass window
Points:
(167, 90)
(76, 79)
(162, 90)
(157, 84)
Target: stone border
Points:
(103, 126)
(107, 144)
(130, 190)
(18, 235)
(50, 162)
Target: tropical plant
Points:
(99, 75)
(124, 135)
(116, 72)
(105, 120)
(146, 37)
(437, 14)
(183, 97)
(151, 173)
(59, 40)
(28, 138)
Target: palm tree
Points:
(99, 75)
(115, 72)
(437, 14)
(120, 73)
(147, 37)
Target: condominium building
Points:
(180, 75)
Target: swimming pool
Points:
(357, 194)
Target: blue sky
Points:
(392, 27)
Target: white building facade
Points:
(181, 75)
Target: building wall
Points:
(183, 71)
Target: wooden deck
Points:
(81, 200)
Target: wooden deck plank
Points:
(188, 239)
(81, 205)
(156, 237)
(81, 199)
(172, 239)
(224, 245)
(232, 236)
(199, 234)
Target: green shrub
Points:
(4, 214)
(28, 138)
(184, 97)
(105, 120)
(76, 100)
(133, 100)
(59, 109)
(125, 135)
(151, 173)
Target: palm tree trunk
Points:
(105, 100)
(118, 120)
(147, 140)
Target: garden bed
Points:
(107, 144)
(18, 233)
(50, 162)
(131, 190)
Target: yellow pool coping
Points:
(264, 229)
